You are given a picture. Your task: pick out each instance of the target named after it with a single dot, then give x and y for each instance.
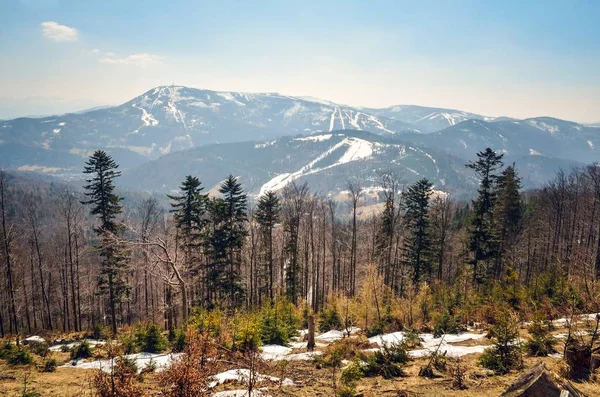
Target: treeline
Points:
(74, 261)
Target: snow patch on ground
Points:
(142, 360)
(430, 343)
(239, 393)
(242, 375)
(91, 342)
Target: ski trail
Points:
(332, 121)
(341, 119)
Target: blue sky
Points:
(494, 58)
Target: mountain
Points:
(171, 118)
(427, 119)
(325, 161)
(541, 136)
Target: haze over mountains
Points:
(170, 131)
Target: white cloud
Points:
(110, 54)
(95, 51)
(134, 59)
(57, 32)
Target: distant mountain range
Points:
(271, 139)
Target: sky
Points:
(496, 58)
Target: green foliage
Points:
(505, 354)
(278, 322)
(128, 341)
(179, 341)
(82, 350)
(346, 391)
(99, 331)
(149, 339)
(246, 332)
(49, 365)
(7, 351)
(39, 348)
(411, 337)
(417, 247)
(329, 319)
(19, 356)
(445, 323)
(387, 362)
(541, 342)
(352, 374)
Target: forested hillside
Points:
(86, 261)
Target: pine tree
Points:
(106, 206)
(417, 247)
(508, 213)
(267, 216)
(482, 242)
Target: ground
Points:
(309, 380)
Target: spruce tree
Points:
(417, 247)
(482, 242)
(106, 206)
(267, 216)
(228, 231)
(189, 210)
(508, 213)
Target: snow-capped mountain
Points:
(170, 118)
(541, 136)
(167, 120)
(427, 119)
(325, 161)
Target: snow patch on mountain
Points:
(357, 149)
(315, 138)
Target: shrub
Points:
(246, 333)
(7, 351)
(352, 374)
(20, 356)
(39, 348)
(120, 381)
(541, 342)
(445, 323)
(49, 365)
(82, 350)
(149, 339)
(329, 319)
(65, 349)
(387, 362)
(189, 376)
(128, 341)
(504, 355)
(411, 337)
(179, 341)
(346, 391)
(99, 331)
(278, 322)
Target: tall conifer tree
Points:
(106, 206)
(417, 247)
(267, 216)
(482, 241)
